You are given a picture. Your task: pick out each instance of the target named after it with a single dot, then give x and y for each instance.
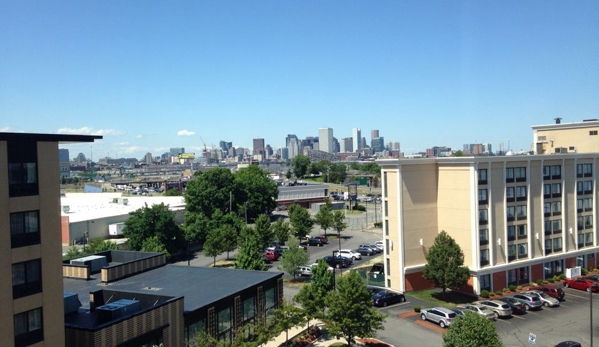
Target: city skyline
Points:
(151, 76)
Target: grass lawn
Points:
(436, 298)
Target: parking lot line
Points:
(577, 296)
(517, 316)
(529, 312)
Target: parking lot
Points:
(569, 321)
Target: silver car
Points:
(481, 310)
(531, 301)
(499, 307)
(546, 300)
(440, 315)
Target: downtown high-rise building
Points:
(293, 145)
(346, 145)
(374, 134)
(357, 139)
(325, 140)
(258, 147)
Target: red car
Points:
(271, 255)
(581, 284)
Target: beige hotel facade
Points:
(516, 218)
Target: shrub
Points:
(491, 294)
(378, 224)
(555, 278)
(562, 277)
(505, 290)
(539, 281)
(498, 292)
(584, 271)
(484, 293)
(545, 282)
(512, 287)
(360, 208)
(416, 308)
(519, 287)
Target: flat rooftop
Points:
(200, 286)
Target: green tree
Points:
(258, 192)
(250, 255)
(212, 190)
(300, 164)
(213, 247)
(311, 303)
(157, 221)
(322, 282)
(73, 252)
(445, 263)
(229, 238)
(100, 245)
(350, 312)
(153, 244)
(288, 174)
(324, 217)
(264, 231)
(337, 173)
(301, 222)
(339, 224)
(293, 258)
(458, 153)
(473, 330)
(281, 230)
(288, 317)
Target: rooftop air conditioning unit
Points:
(66, 208)
(71, 302)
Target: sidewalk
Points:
(323, 341)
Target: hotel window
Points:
(546, 172)
(388, 267)
(547, 209)
(482, 196)
(548, 246)
(511, 233)
(483, 236)
(485, 282)
(24, 229)
(547, 227)
(587, 170)
(510, 194)
(547, 190)
(521, 230)
(483, 217)
(521, 193)
(386, 208)
(518, 276)
(28, 327)
(520, 173)
(484, 257)
(556, 172)
(556, 208)
(510, 212)
(386, 227)
(553, 268)
(580, 223)
(482, 176)
(588, 204)
(580, 239)
(588, 239)
(557, 244)
(588, 222)
(593, 132)
(588, 187)
(522, 250)
(556, 190)
(579, 205)
(511, 252)
(26, 278)
(385, 184)
(557, 226)
(509, 174)
(22, 168)
(521, 211)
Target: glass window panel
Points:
(557, 243)
(522, 249)
(510, 192)
(18, 274)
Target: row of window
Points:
(584, 222)
(518, 174)
(28, 327)
(519, 251)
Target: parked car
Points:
(530, 301)
(581, 284)
(460, 311)
(380, 245)
(515, 305)
(385, 297)
(546, 300)
(336, 262)
(270, 255)
(568, 344)
(305, 271)
(372, 247)
(364, 251)
(315, 241)
(481, 310)
(499, 307)
(374, 289)
(440, 315)
(377, 249)
(278, 250)
(553, 291)
(323, 239)
(314, 264)
(348, 253)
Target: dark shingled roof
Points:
(200, 286)
(62, 138)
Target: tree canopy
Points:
(259, 192)
(210, 191)
(445, 263)
(301, 221)
(281, 230)
(350, 312)
(300, 164)
(473, 330)
(264, 231)
(293, 258)
(157, 221)
(250, 255)
(324, 217)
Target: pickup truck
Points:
(581, 284)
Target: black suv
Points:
(315, 241)
(336, 262)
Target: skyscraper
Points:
(346, 145)
(325, 140)
(259, 146)
(293, 145)
(374, 134)
(357, 136)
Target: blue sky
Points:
(150, 75)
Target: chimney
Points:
(558, 120)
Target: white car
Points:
(348, 253)
(380, 245)
(313, 265)
(305, 270)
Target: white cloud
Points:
(6, 130)
(90, 131)
(185, 133)
(139, 136)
